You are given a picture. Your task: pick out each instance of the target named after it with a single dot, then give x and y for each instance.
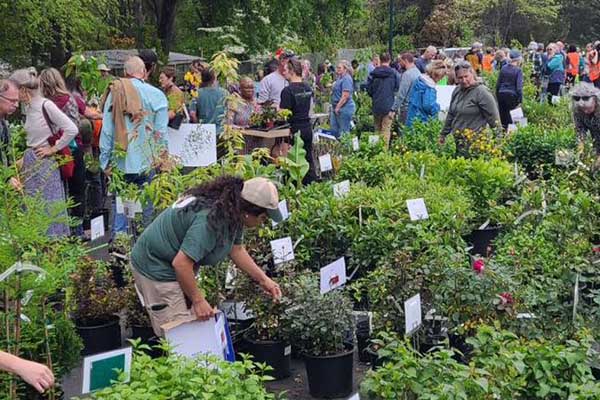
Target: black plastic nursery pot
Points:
(482, 239)
(330, 377)
(147, 336)
(101, 337)
(276, 354)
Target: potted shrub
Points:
(96, 304)
(319, 325)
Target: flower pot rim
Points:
(338, 355)
(111, 320)
(247, 337)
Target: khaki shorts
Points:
(164, 301)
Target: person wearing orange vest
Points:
(572, 65)
(488, 59)
(594, 66)
(474, 57)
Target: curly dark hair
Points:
(223, 198)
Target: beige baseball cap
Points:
(263, 193)
(103, 67)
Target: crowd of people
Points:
(134, 117)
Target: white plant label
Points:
(563, 157)
(522, 122)
(412, 314)
(355, 144)
(555, 100)
(287, 350)
(120, 206)
(355, 396)
(283, 250)
(340, 190)
(373, 139)
(325, 162)
(333, 275)
(417, 209)
(283, 210)
(511, 128)
(97, 227)
(132, 208)
(517, 114)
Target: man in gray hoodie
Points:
(472, 106)
(382, 85)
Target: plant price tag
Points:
(97, 227)
(355, 144)
(325, 162)
(120, 206)
(333, 275)
(283, 250)
(412, 314)
(373, 139)
(283, 210)
(517, 114)
(340, 190)
(417, 209)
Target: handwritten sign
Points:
(417, 209)
(333, 275)
(97, 227)
(283, 250)
(340, 190)
(194, 144)
(325, 162)
(412, 314)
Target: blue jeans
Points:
(340, 123)
(120, 220)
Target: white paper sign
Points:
(97, 227)
(283, 210)
(444, 95)
(373, 139)
(511, 128)
(417, 209)
(120, 207)
(192, 338)
(355, 144)
(522, 122)
(555, 100)
(341, 189)
(333, 275)
(325, 162)
(194, 144)
(517, 114)
(131, 208)
(412, 313)
(283, 250)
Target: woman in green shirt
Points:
(202, 228)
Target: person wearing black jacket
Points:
(382, 85)
(298, 98)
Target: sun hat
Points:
(263, 193)
(103, 67)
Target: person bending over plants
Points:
(203, 227)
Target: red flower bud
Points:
(506, 298)
(478, 266)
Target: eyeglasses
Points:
(14, 101)
(462, 65)
(584, 98)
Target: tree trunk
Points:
(165, 12)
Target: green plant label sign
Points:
(100, 370)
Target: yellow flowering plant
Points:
(485, 143)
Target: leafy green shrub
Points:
(534, 146)
(546, 115)
(176, 377)
(424, 136)
(502, 367)
(318, 323)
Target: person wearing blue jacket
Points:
(509, 87)
(555, 70)
(423, 104)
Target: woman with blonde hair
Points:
(343, 106)
(423, 103)
(54, 88)
(48, 131)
